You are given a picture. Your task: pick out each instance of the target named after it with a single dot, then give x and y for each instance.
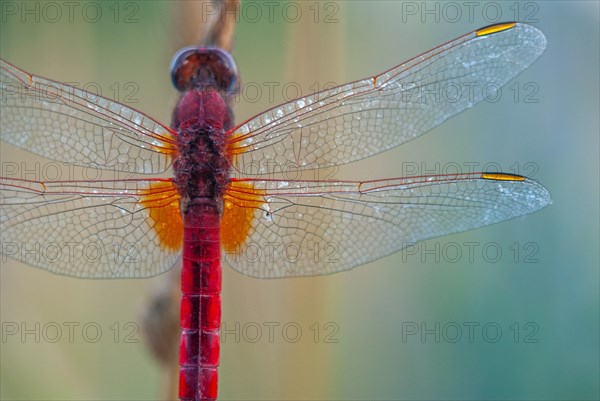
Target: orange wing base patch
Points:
(162, 200)
(234, 147)
(239, 206)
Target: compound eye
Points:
(194, 67)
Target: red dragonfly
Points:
(223, 202)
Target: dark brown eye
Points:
(194, 67)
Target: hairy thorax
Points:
(201, 120)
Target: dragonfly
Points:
(223, 204)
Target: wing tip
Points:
(538, 194)
(535, 37)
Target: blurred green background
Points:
(542, 292)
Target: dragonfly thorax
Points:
(201, 119)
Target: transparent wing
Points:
(91, 229)
(305, 228)
(67, 124)
(366, 117)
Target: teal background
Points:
(372, 306)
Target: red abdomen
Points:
(200, 301)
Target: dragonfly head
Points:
(200, 67)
